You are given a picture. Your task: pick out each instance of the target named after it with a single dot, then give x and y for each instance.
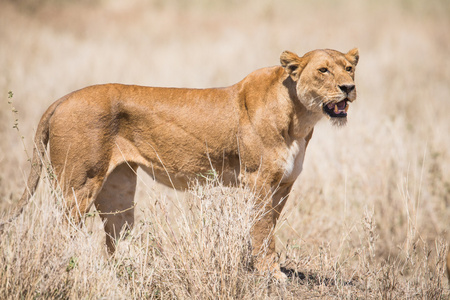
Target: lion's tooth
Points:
(346, 108)
(336, 109)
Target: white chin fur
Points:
(339, 122)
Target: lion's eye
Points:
(323, 70)
(348, 69)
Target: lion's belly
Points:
(180, 174)
(177, 181)
(293, 161)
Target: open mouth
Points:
(336, 110)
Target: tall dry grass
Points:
(369, 215)
(202, 252)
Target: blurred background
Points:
(390, 162)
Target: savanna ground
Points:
(369, 216)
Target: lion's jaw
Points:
(324, 81)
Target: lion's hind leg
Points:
(115, 202)
(78, 198)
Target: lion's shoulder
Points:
(266, 75)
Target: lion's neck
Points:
(272, 89)
(303, 121)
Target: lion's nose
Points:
(347, 88)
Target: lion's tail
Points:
(40, 144)
(448, 265)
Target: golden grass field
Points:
(369, 217)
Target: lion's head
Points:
(324, 80)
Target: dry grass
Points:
(368, 217)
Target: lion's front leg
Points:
(269, 209)
(263, 242)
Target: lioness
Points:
(254, 132)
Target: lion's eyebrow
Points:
(342, 61)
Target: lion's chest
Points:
(293, 161)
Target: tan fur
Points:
(448, 266)
(254, 132)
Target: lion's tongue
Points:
(341, 105)
(338, 108)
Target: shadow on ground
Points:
(313, 279)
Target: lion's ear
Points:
(292, 64)
(353, 56)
